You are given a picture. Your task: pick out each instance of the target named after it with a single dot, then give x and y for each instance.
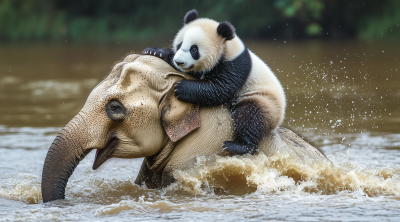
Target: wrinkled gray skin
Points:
(150, 123)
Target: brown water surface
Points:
(343, 96)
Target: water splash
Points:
(280, 173)
(24, 187)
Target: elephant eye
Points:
(115, 110)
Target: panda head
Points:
(200, 43)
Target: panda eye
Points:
(193, 49)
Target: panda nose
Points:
(179, 63)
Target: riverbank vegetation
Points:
(142, 20)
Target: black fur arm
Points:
(209, 92)
(219, 86)
(203, 92)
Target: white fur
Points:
(233, 48)
(201, 32)
(193, 36)
(262, 80)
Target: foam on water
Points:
(281, 173)
(25, 188)
(216, 185)
(218, 175)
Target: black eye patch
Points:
(194, 51)
(115, 110)
(179, 46)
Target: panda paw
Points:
(182, 91)
(164, 54)
(235, 148)
(157, 52)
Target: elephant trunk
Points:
(64, 155)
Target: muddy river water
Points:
(343, 96)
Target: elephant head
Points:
(132, 113)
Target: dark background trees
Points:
(149, 20)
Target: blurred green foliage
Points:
(142, 20)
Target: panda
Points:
(226, 72)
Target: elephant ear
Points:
(178, 118)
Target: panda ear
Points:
(226, 30)
(190, 16)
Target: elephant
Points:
(134, 113)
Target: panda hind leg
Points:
(249, 127)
